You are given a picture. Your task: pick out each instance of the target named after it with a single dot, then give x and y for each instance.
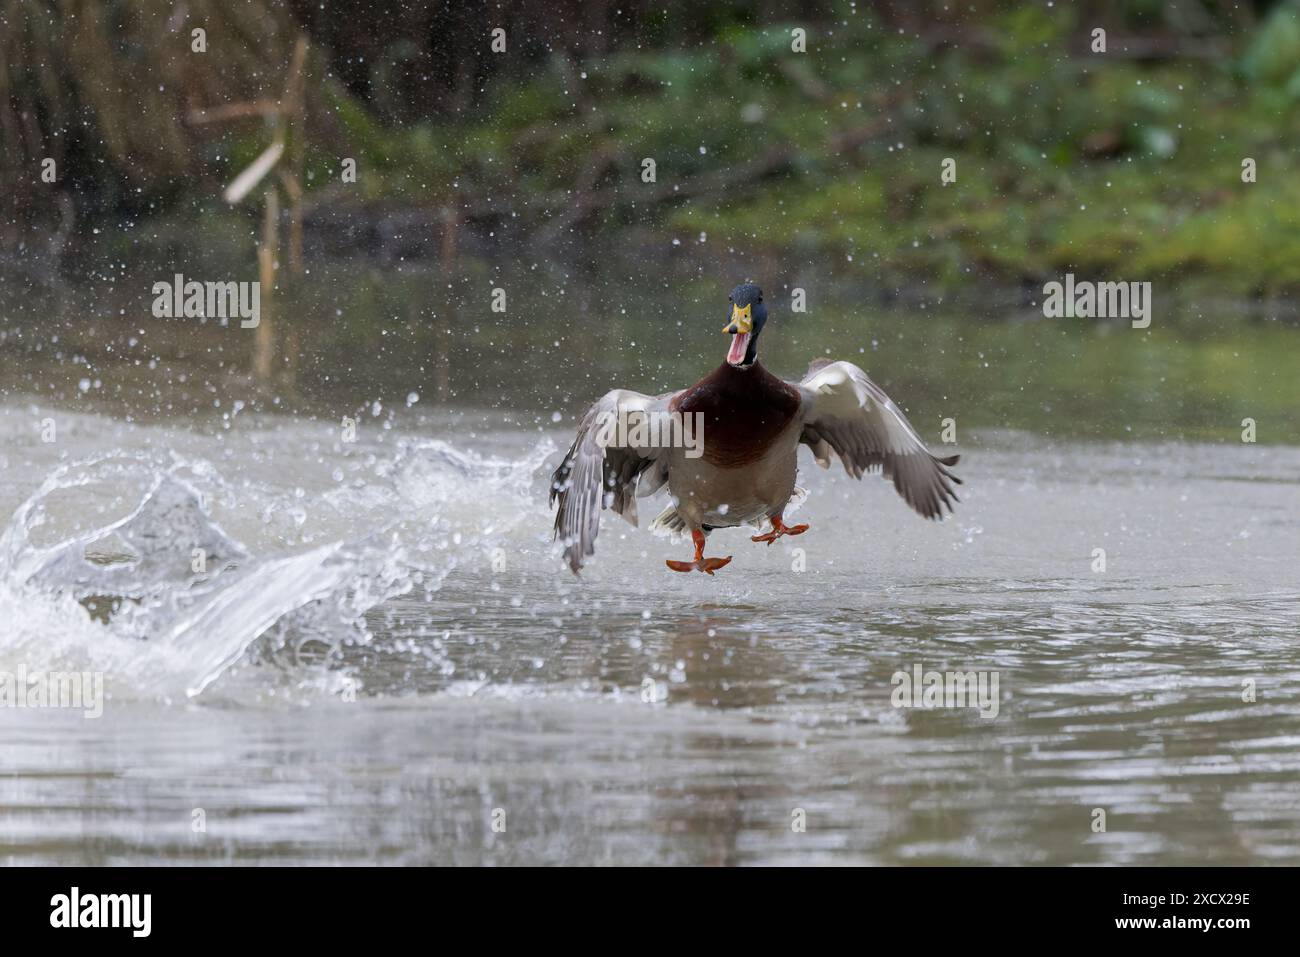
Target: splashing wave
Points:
(117, 564)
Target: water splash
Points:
(117, 564)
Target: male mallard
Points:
(733, 457)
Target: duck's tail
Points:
(669, 522)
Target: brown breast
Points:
(744, 410)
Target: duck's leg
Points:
(779, 528)
(701, 564)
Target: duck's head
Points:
(746, 315)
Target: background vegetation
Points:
(1066, 158)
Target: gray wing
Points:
(601, 471)
(845, 412)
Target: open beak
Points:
(740, 328)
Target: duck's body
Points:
(750, 449)
(747, 425)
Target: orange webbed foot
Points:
(706, 565)
(701, 564)
(779, 528)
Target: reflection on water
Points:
(633, 717)
(355, 334)
(381, 655)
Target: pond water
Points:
(379, 656)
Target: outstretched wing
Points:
(601, 470)
(845, 412)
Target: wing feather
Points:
(846, 413)
(598, 473)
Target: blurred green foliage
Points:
(1065, 159)
(1128, 161)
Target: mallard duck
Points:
(734, 439)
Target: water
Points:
(381, 654)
